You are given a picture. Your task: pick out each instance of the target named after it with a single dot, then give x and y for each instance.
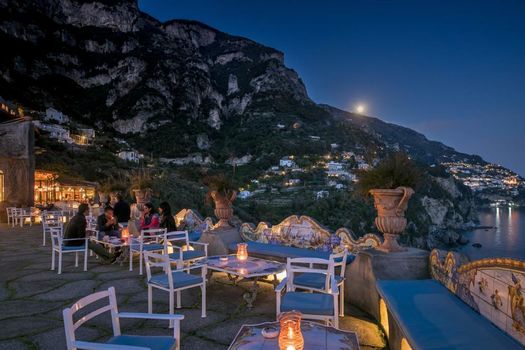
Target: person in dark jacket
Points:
(121, 209)
(107, 224)
(77, 229)
(166, 218)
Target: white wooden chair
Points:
(148, 240)
(118, 341)
(181, 250)
(173, 282)
(316, 306)
(20, 215)
(59, 248)
(316, 282)
(9, 211)
(49, 222)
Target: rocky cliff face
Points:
(116, 65)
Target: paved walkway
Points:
(32, 299)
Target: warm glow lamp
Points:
(242, 251)
(290, 336)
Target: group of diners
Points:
(110, 222)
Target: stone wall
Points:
(17, 162)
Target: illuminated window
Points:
(1, 186)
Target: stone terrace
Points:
(32, 298)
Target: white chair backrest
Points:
(305, 265)
(71, 326)
(56, 236)
(153, 232)
(339, 261)
(155, 260)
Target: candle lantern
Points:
(290, 336)
(242, 251)
(125, 234)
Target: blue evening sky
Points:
(453, 70)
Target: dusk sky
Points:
(453, 70)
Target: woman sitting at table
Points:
(149, 219)
(166, 218)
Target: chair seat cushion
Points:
(433, 318)
(73, 247)
(147, 247)
(308, 303)
(313, 280)
(152, 342)
(195, 235)
(188, 255)
(180, 280)
(283, 252)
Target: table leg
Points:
(251, 294)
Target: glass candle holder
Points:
(290, 336)
(242, 251)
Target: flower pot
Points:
(391, 206)
(223, 208)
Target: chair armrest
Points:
(281, 285)
(150, 316)
(199, 243)
(103, 346)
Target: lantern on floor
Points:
(290, 336)
(242, 251)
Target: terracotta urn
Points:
(391, 206)
(142, 196)
(223, 207)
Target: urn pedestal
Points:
(391, 206)
(223, 208)
(142, 197)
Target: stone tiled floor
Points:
(32, 299)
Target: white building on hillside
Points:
(57, 116)
(286, 163)
(129, 155)
(245, 194)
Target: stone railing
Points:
(492, 287)
(305, 232)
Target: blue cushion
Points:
(152, 342)
(188, 255)
(73, 247)
(195, 235)
(433, 318)
(180, 279)
(282, 251)
(147, 247)
(308, 303)
(313, 280)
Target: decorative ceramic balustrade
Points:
(305, 232)
(492, 287)
(189, 220)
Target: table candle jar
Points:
(290, 336)
(242, 251)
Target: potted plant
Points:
(141, 185)
(111, 187)
(223, 192)
(391, 184)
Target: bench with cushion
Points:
(467, 305)
(300, 237)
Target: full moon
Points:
(360, 109)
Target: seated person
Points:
(166, 218)
(122, 209)
(107, 224)
(77, 229)
(149, 218)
